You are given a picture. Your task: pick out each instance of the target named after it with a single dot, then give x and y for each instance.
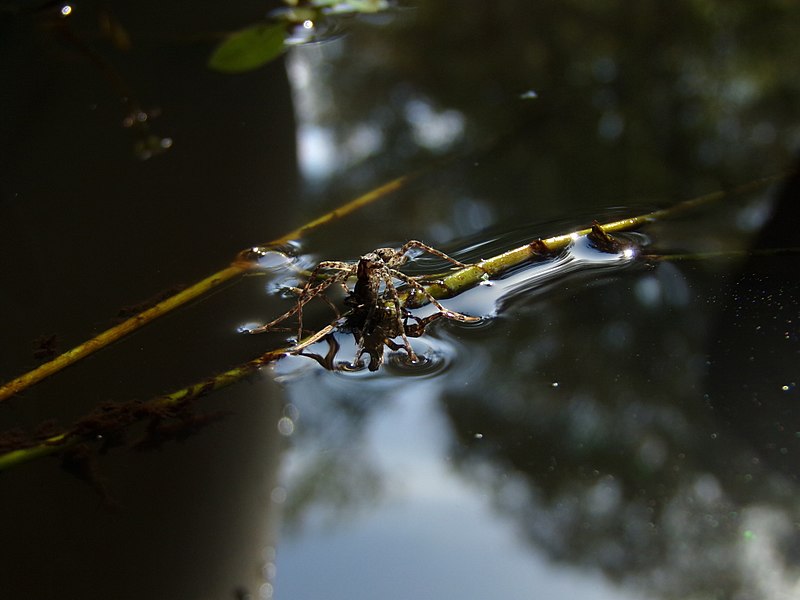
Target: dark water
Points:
(627, 430)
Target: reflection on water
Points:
(579, 257)
(577, 426)
(629, 431)
(433, 536)
(626, 432)
(482, 302)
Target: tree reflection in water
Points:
(602, 443)
(591, 415)
(621, 426)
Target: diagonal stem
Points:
(238, 267)
(448, 285)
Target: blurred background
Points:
(628, 433)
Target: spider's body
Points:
(377, 316)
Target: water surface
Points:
(626, 430)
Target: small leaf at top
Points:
(249, 48)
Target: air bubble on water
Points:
(285, 426)
(278, 495)
(273, 260)
(247, 327)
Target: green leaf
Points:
(249, 48)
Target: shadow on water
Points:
(626, 431)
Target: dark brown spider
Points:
(376, 316)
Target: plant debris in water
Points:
(106, 427)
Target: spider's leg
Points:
(361, 336)
(331, 305)
(268, 326)
(394, 345)
(450, 314)
(418, 328)
(327, 362)
(344, 270)
(312, 339)
(304, 295)
(334, 265)
(308, 293)
(302, 298)
(398, 315)
(425, 248)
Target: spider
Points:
(376, 314)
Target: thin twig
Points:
(448, 285)
(61, 441)
(119, 331)
(238, 267)
(455, 282)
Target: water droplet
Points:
(290, 411)
(266, 591)
(278, 495)
(285, 426)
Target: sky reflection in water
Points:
(572, 428)
(429, 535)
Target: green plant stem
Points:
(240, 266)
(61, 441)
(451, 284)
(119, 331)
(448, 285)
